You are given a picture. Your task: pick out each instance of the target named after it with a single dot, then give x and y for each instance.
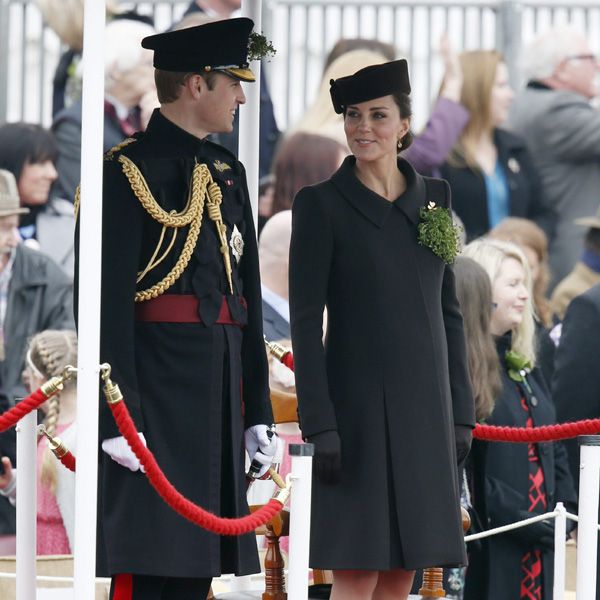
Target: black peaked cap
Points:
(213, 45)
(369, 83)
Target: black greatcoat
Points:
(392, 377)
(502, 489)
(182, 382)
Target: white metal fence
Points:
(303, 31)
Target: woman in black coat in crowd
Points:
(490, 171)
(514, 481)
(387, 400)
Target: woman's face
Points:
(510, 296)
(35, 182)
(373, 128)
(501, 96)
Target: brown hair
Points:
(474, 292)
(526, 233)
(169, 83)
(302, 159)
(479, 72)
(50, 352)
(349, 44)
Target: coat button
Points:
(534, 401)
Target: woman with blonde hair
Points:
(515, 481)
(49, 353)
(490, 170)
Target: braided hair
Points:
(49, 353)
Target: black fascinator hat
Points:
(369, 83)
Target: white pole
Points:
(300, 508)
(89, 298)
(587, 534)
(560, 535)
(249, 132)
(26, 505)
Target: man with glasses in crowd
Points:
(553, 113)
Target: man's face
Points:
(578, 71)
(9, 236)
(217, 106)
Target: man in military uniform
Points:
(181, 323)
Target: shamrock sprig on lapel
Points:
(438, 232)
(518, 365)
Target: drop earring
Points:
(399, 144)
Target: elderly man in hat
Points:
(181, 323)
(35, 294)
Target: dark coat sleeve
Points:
(311, 255)
(68, 136)
(122, 223)
(576, 381)
(255, 372)
(463, 405)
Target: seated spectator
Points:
(428, 149)
(129, 80)
(585, 273)
(48, 354)
(490, 171)
(35, 294)
(273, 257)
(30, 153)
(553, 113)
(515, 481)
(303, 159)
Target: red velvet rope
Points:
(68, 461)
(496, 433)
(545, 433)
(179, 503)
(12, 416)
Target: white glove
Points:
(118, 449)
(268, 460)
(256, 438)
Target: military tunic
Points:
(192, 388)
(392, 377)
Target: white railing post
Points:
(587, 534)
(560, 555)
(300, 507)
(26, 506)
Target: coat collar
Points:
(174, 137)
(374, 207)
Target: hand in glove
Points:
(118, 449)
(328, 455)
(258, 438)
(539, 535)
(463, 435)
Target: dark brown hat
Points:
(215, 46)
(370, 83)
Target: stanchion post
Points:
(587, 534)
(300, 503)
(26, 506)
(560, 536)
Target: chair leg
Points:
(433, 579)
(274, 575)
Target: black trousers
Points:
(150, 587)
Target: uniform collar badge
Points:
(237, 244)
(221, 166)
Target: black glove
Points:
(328, 456)
(463, 435)
(540, 535)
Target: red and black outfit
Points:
(511, 482)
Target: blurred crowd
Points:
(524, 171)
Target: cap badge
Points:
(237, 244)
(221, 166)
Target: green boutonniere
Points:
(438, 232)
(518, 365)
(259, 47)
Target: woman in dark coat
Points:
(490, 171)
(515, 481)
(386, 400)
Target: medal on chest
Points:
(236, 243)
